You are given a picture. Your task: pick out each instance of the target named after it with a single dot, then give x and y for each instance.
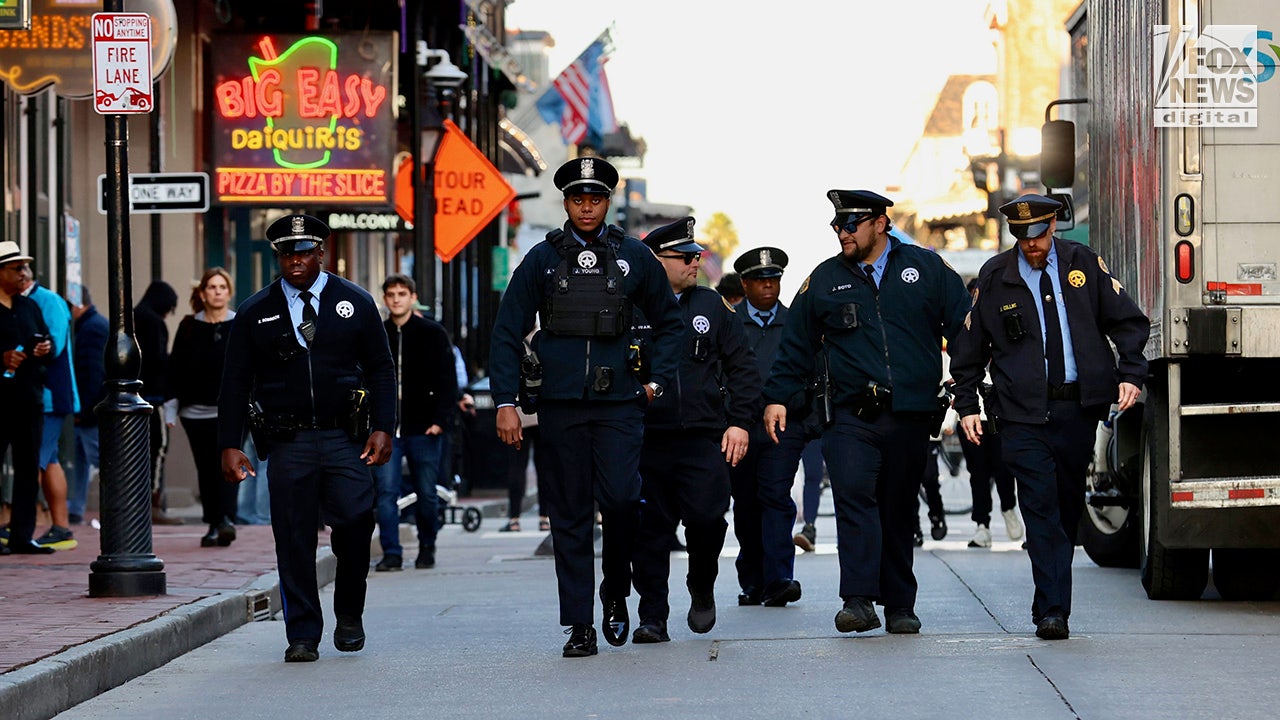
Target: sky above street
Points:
(757, 110)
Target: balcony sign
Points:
(304, 119)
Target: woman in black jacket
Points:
(195, 374)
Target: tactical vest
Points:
(588, 298)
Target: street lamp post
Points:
(445, 75)
(126, 567)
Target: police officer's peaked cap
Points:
(591, 175)
(1029, 216)
(675, 237)
(760, 263)
(297, 233)
(856, 205)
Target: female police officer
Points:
(583, 281)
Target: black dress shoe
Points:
(582, 641)
(616, 621)
(348, 635)
(651, 631)
(30, 547)
(702, 611)
(901, 621)
(1053, 627)
(210, 539)
(389, 563)
(783, 593)
(857, 615)
(750, 596)
(426, 558)
(302, 651)
(226, 533)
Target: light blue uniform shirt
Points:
(291, 294)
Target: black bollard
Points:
(127, 567)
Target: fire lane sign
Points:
(122, 63)
(162, 193)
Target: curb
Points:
(47, 687)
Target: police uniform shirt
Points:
(1000, 331)
(292, 294)
(568, 362)
(877, 267)
(758, 315)
(890, 336)
(1031, 277)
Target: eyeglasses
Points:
(688, 257)
(851, 226)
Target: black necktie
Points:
(309, 317)
(764, 319)
(871, 277)
(1053, 351)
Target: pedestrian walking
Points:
(158, 302)
(91, 331)
(1045, 315)
(583, 281)
(875, 315)
(309, 371)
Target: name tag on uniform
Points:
(1010, 306)
(268, 319)
(838, 288)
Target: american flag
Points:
(579, 99)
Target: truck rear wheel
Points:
(1252, 574)
(1167, 573)
(1109, 533)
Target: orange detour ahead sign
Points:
(470, 192)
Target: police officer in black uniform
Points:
(763, 511)
(1042, 315)
(690, 433)
(309, 371)
(877, 312)
(583, 281)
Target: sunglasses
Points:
(688, 257)
(852, 225)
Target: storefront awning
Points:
(519, 154)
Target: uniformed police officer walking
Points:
(584, 281)
(692, 435)
(1042, 315)
(877, 313)
(763, 511)
(309, 371)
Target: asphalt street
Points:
(477, 637)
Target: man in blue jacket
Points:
(91, 331)
(876, 315)
(583, 282)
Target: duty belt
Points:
(1068, 391)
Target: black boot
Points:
(210, 538)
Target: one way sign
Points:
(162, 193)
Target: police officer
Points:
(583, 281)
(1042, 315)
(877, 313)
(763, 511)
(690, 433)
(310, 355)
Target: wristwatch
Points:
(656, 388)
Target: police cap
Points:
(760, 263)
(1029, 216)
(854, 206)
(675, 237)
(297, 233)
(591, 175)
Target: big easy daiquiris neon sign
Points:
(307, 119)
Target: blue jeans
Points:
(253, 499)
(86, 456)
(423, 452)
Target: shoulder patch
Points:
(804, 285)
(726, 304)
(1115, 285)
(1102, 264)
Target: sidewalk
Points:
(59, 647)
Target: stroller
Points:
(448, 511)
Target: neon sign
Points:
(309, 123)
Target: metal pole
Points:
(424, 239)
(157, 163)
(127, 567)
